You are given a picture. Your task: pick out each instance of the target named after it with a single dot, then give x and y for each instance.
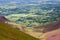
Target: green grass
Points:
(8, 33)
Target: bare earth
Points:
(53, 35)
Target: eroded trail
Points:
(53, 34)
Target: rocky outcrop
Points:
(3, 19)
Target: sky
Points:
(23, 1)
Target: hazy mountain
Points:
(28, 1)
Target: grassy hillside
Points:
(8, 33)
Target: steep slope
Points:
(52, 31)
(53, 35)
(8, 33)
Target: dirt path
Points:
(29, 31)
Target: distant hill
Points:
(3, 2)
